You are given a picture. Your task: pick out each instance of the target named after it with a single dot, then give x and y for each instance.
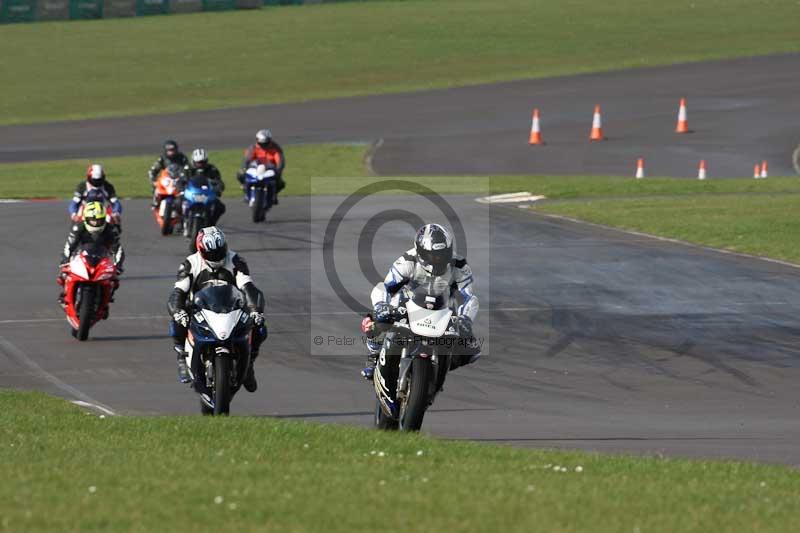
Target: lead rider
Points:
(214, 264)
(430, 261)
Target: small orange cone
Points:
(756, 171)
(640, 168)
(701, 170)
(764, 168)
(683, 124)
(597, 126)
(536, 132)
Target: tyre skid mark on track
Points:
(23, 359)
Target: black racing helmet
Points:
(434, 248)
(170, 148)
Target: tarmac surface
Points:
(594, 338)
(742, 111)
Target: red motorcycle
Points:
(89, 280)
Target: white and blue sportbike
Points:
(218, 346)
(260, 190)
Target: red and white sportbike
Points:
(89, 279)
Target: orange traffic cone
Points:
(756, 171)
(701, 170)
(764, 172)
(640, 168)
(597, 126)
(683, 124)
(536, 133)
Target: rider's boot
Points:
(249, 381)
(183, 370)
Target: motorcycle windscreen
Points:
(428, 322)
(222, 298)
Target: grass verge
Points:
(763, 225)
(64, 469)
(123, 67)
(129, 174)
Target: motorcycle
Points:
(198, 196)
(168, 206)
(260, 190)
(414, 360)
(218, 346)
(89, 279)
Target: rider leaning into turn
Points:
(213, 264)
(93, 230)
(264, 152)
(171, 156)
(94, 188)
(430, 260)
(201, 167)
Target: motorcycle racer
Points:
(171, 156)
(264, 152)
(431, 260)
(214, 264)
(95, 188)
(94, 229)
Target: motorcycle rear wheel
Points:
(413, 408)
(222, 385)
(85, 312)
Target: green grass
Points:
(64, 469)
(764, 225)
(69, 70)
(129, 174)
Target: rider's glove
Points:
(120, 270)
(257, 318)
(383, 312)
(181, 317)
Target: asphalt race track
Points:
(594, 338)
(742, 111)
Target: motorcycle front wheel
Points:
(222, 385)
(258, 204)
(85, 312)
(413, 408)
(166, 219)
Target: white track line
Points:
(22, 358)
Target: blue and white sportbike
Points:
(198, 199)
(260, 190)
(218, 346)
